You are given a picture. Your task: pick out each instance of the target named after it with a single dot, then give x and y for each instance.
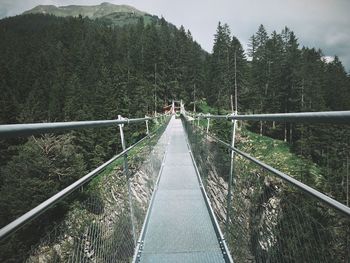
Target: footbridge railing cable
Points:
(104, 223)
(269, 216)
(315, 117)
(265, 214)
(15, 130)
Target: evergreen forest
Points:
(75, 68)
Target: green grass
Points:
(279, 155)
(203, 107)
(273, 152)
(93, 185)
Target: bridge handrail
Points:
(44, 206)
(322, 197)
(323, 116)
(14, 130)
(309, 190)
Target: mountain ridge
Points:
(92, 11)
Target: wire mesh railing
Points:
(265, 215)
(94, 222)
(266, 219)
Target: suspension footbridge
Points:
(175, 201)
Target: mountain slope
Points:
(110, 13)
(95, 11)
(65, 68)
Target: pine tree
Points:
(220, 67)
(239, 74)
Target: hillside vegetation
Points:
(89, 63)
(65, 69)
(109, 13)
(270, 219)
(94, 11)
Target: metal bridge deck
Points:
(179, 227)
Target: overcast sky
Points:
(322, 24)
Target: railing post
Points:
(126, 173)
(208, 125)
(147, 128)
(181, 108)
(148, 135)
(173, 107)
(207, 154)
(230, 181)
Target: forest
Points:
(281, 78)
(71, 69)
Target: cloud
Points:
(15, 7)
(3, 12)
(328, 59)
(321, 24)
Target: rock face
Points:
(99, 227)
(143, 182)
(217, 190)
(255, 203)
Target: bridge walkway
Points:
(179, 227)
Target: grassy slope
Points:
(118, 15)
(96, 11)
(96, 195)
(279, 155)
(274, 152)
(94, 184)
